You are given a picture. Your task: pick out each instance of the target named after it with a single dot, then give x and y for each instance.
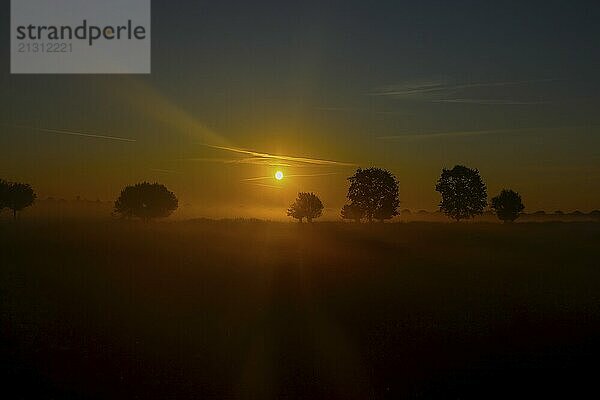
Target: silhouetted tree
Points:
(386, 210)
(508, 205)
(307, 205)
(375, 192)
(464, 194)
(19, 196)
(351, 211)
(146, 201)
(3, 194)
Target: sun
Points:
(279, 175)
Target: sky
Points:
(510, 88)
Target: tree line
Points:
(373, 195)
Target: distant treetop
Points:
(16, 196)
(375, 193)
(146, 201)
(464, 194)
(508, 205)
(306, 205)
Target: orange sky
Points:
(398, 86)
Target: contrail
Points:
(305, 160)
(258, 178)
(75, 133)
(263, 185)
(249, 160)
(310, 175)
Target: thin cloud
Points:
(432, 87)
(358, 110)
(268, 156)
(76, 133)
(490, 102)
(439, 92)
(433, 135)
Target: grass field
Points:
(259, 310)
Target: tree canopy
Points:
(3, 194)
(373, 194)
(352, 212)
(146, 201)
(306, 205)
(16, 196)
(464, 194)
(507, 205)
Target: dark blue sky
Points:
(508, 87)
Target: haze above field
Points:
(205, 309)
(240, 90)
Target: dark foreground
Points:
(256, 310)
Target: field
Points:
(260, 310)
